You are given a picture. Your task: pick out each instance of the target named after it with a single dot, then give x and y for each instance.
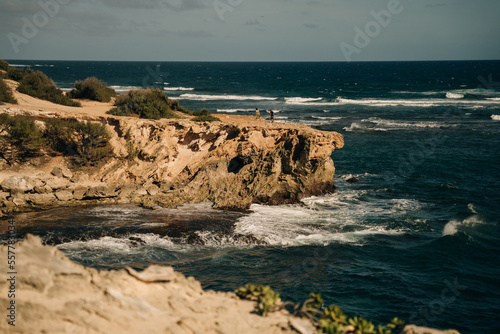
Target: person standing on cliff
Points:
(257, 113)
(271, 115)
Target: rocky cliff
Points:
(50, 294)
(232, 163)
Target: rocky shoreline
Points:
(55, 295)
(232, 164)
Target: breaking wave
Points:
(202, 97)
(177, 88)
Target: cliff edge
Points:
(48, 293)
(233, 163)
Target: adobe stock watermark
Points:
(155, 78)
(372, 29)
(429, 313)
(224, 6)
(488, 83)
(32, 25)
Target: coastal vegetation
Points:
(145, 103)
(154, 104)
(21, 138)
(4, 66)
(204, 116)
(40, 86)
(36, 84)
(329, 320)
(6, 93)
(92, 89)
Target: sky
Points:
(249, 30)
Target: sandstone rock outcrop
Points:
(231, 163)
(55, 295)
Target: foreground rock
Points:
(55, 295)
(233, 164)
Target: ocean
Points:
(417, 237)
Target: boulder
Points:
(412, 329)
(79, 192)
(100, 191)
(352, 180)
(41, 199)
(19, 199)
(56, 183)
(152, 190)
(18, 183)
(4, 195)
(57, 172)
(64, 195)
(43, 189)
(127, 190)
(59, 296)
(79, 177)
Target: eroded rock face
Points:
(55, 295)
(178, 161)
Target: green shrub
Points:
(17, 74)
(20, 138)
(58, 134)
(92, 89)
(174, 105)
(6, 93)
(331, 320)
(208, 118)
(87, 142)
(145, 103)
(202, 112)
(92, 142)
(40, 86)
(4, 65)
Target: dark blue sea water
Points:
(417, 237)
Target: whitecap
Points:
(234, 110)
(177, 88)
(495, 117)
(453, 226)
(356, 127)
(201, 97)
(123, 89)
(451, 95)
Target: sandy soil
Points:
(99, 109)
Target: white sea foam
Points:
(234, 110)
(493, 98)
(356, 127)
(453, 226)
(19, 65)
(122, 89)
(301, 100)
(177, 88)
(451, 95)
(347, 216)
(118, 245)
(202, 97)
(399, 124)
(327, 118)
(306, 101)
(423, 103)
(495, 117)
